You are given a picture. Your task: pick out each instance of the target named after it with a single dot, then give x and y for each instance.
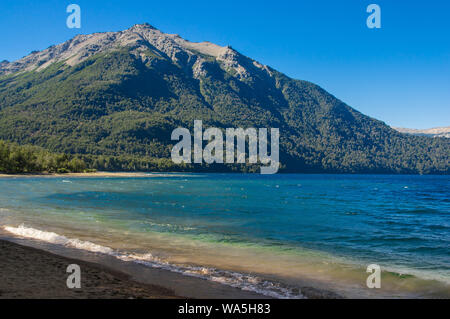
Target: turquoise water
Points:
(285, 230)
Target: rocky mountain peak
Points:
(141, 38)
(141, 27)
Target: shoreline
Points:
(165, 284)
(70, 175)
(30, 273)
(162, 174)
(129, 278)
(33, 269)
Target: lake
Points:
(272, 234)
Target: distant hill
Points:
(432, 132)
(118, 95)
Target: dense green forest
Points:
(116, 111)
(32, 159)
(15, 159)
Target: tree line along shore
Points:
(29, 159)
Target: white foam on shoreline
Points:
(54, 238)
(230, 278)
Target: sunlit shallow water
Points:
(270, 234)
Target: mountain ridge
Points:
(122, 93)
(432, 132)
(81, 47)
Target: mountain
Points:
(432, 132)
(116, 96)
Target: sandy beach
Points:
(31, 269)
(31, 273)
(94, 174)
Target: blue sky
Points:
(399, 74)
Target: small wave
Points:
(421, 274)
(230, 278)
(57, 239)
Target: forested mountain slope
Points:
(120, 94)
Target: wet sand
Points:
(31, 269)
(30, 273)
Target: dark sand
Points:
(27, 272)
(35, 269)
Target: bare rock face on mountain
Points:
(122, 93)
(140, 38)
(432, 132)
